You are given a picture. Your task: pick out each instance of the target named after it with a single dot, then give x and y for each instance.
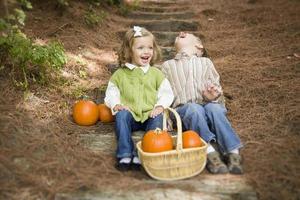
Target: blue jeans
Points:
(125, 125)
(210, 121)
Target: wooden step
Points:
(200, 187)
(164, 38)
(168, 38)
(100, 143)
(168, 25)
(167, 15)
(163, 9)
(168, 53)
(163, 3)
(203, 186)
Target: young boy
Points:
(200, 103)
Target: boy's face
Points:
(142, 50)
(187, 40)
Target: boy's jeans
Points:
(211, 123)
(125, 125)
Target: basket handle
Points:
(179, 125)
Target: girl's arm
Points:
(165, 94)
(112, 97)
(165, 98)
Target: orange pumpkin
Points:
(157, 141)
(191, 139)
(85, 113)
(105, 114)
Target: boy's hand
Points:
(119, 107)
(156, 111)
(211, 92)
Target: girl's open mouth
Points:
(145, 59)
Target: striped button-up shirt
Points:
(189, 76)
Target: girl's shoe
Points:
(136, 167)
(214, 164)
(234, 163)
(136, 164)
(123, 166)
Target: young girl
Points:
(200, 103)
(137, 93)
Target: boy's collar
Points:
(183, 54)
(132, 66)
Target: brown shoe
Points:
(214, 164)
(234, 163)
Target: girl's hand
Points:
(211, 92)
(119, 107)
(156, 111)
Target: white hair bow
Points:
(137, 31)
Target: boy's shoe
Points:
(234, 163)
(214, 164)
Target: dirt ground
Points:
(255, 46)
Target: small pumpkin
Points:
(105, 114)
(85, 113)
(191, 139)
(157, 140)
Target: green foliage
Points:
(79, 92)
(92, 18)
(113, 2)
(125, 9)
(63, 3)
(25, 4)
(95, 2)
(109, 2)
(33, 61)
(17, 18)
(82, 74)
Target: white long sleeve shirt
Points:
(165, 94)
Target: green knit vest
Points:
(138, 90)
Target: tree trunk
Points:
(3, 6)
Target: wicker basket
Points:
(175, 164)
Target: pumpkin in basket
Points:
(105, 114)
(157, 140)
(191, 139)
(85, 113)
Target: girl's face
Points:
(142, 50)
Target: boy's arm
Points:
(213, 75)
(213, 89)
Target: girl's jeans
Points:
(125, 125)
(211, 123)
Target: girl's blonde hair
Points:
(125, 52)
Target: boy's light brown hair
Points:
(125, 52)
